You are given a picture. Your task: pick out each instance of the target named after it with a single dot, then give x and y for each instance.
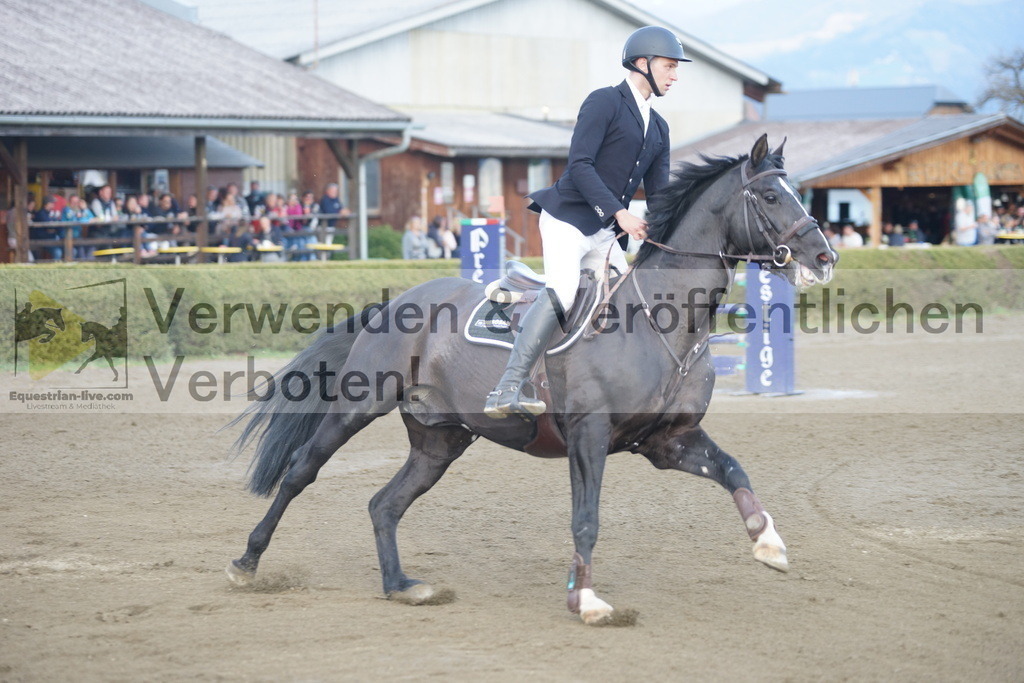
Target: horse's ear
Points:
(759, 152)
(778, 152)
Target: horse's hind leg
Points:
(110, 362)
(306, 461)
(433, 450)
(694, 451)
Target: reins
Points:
(781, 255)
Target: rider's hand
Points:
(635, 227)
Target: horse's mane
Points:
(686, 185)
(671, 204)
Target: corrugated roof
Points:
(60, 152)
(809, 142)
(918, 135)
(859, 103)
(489, 134)
(818, 149)
(122, 58)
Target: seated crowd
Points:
(1007, 217)
(259, 220)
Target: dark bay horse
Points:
(641, 385)
(110, 343)
(41, 322)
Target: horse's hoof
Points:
(597, 617)
(769, 548)
(237, 575)
(416, 594)
(593, 610)
(773, 556)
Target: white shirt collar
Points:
(644, 105)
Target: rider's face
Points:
(664, 72)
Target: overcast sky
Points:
(837, 43)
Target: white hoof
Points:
(593, 610)
(769, 548)
(239, 576)
(417, 594)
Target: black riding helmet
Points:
(651, 42)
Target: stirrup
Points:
(516, 403)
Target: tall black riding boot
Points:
(538, 324)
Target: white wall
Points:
(860, 206)
(532, 57)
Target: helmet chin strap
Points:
(648, 75)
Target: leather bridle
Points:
(781, 254)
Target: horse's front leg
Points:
(693, 451)
(91, 359)
(588, 450)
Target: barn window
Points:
(538, 175)
(489, 182)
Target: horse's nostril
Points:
(824, 259)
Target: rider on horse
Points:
(618, 142)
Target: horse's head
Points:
(88, 331)
(771, 219)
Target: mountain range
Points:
(809, 44)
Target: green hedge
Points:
(993, 278)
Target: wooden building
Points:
(166, 85)
(906, 168)
(911, 172)
(431, 59)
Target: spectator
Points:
(414, 241)
(77, 212)
(987, 230)
(239, 200)
(851, 238)
(103, 207)
(269, 221)
(448, 242)
(298, 242)
(330, 203)
(914, 233)
(228, 216)
(167, 230)
(48, 213)
(146, 204)
(133, 212)
(897, 238)
(255, 198)
(310, 207)
(212, 199)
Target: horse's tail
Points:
(282, 424)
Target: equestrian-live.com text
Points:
(61, 396)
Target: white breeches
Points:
(567, 251)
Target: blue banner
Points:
(770, 364)
(483, 249)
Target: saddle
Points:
(494, 323)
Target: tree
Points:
(1004, 82)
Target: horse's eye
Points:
(771, 198)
